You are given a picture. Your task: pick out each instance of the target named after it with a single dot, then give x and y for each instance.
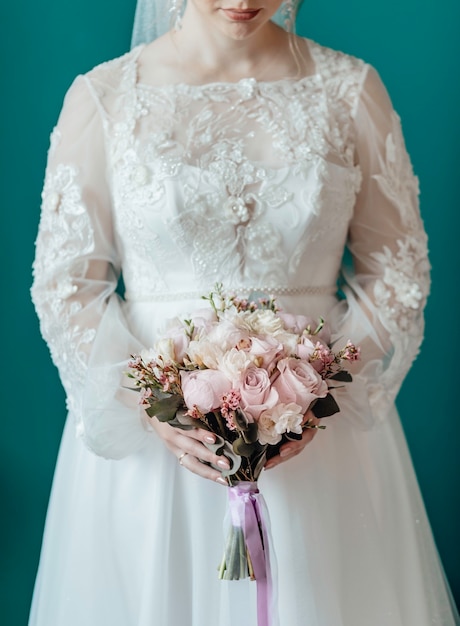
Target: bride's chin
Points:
(241, 29)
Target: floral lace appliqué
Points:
(397, 180)
(65, 237)
(402, 290)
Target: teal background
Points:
(415, 46)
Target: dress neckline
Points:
(225, 86)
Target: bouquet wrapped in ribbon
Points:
(248, 373)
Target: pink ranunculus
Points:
(266, 350)
(299, 382)
(204, 389)
(256, 392)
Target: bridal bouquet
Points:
(248, 373)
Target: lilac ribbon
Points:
(249, 512)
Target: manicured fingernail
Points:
(286, 451)
(223, 464)
(222, 481)
(269, 466)
(210, 439)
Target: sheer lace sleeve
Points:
(75, 275)
(387, 285)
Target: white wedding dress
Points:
(259, 185)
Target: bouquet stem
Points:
(246, 549)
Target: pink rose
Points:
(323, 335)
(305, 348)
(297, 323)
(266, 351)
(180, 342)
(299, 382)
(204, 318)
(204, 389)
(300, 323)
(256, 392)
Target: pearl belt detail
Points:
(255, 292)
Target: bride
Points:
(229, 149)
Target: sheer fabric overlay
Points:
(260, 185)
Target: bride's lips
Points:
(241, 15)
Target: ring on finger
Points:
(181, 457)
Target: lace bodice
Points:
(257, 184)
(237, 173)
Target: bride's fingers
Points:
(193, 464)
(190, 444)
(200, 434)
(293, 448)
(197, 449)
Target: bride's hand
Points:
(293, 448)
(189, 448)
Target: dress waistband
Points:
(253, 292)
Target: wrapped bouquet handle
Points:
(248, 548)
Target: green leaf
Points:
(260, 464)
(160, 395)
(250, 434)
(224, 448)
(241, 420)
(242, 448)
(319, 326)
(293, 436)
(342, 376)
(324, 407)
(185, 422)
(138, 389)
(150, 411)
(217, 446)
(165, 410)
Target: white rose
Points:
(241, 320)
(266, 430)
(204, 352)
(288, 418)
(283, 418)
(289, 341)
(233, 363)
(148, 355)
(265, 322)
(226, 335)
(165, 350)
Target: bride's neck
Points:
(213, 55)
(202, 51)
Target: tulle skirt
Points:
(137, 541)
